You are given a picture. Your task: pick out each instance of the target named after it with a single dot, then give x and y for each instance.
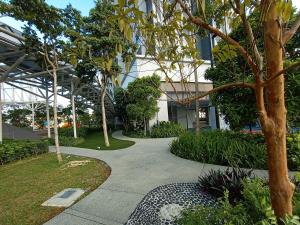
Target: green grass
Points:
(96, 139)
(26, 184)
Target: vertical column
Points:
(73, 109)
(1, 138)
(32, 105)
(47, 110)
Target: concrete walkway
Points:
(135, 171)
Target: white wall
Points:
(162, 115)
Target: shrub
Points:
(167, 129)
(68, 132)
(293, 148)
(222, 148)
(68, 141)
(232, 149)
(16, 150)
(136, 134)
(217, 182)
(254, 208)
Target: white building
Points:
(169, 109)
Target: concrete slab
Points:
(111, 205)
(64, 198)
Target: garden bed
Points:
(231, 149)
(27, 183)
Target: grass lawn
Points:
(26, 184)
(96, 139)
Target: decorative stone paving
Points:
(164, 204)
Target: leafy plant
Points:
(253, 208)
(217, 182)
(230, 148)
(12, 150)
(69, 141)
(68, 132)
(167, 129)
(293, 148)
(222, 148)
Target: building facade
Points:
(176, 90)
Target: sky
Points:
(82, 5)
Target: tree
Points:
(122, 100)
(18, 117)
(238, 105)
(95, 47)
(267, 67)
(143, 94)
(47, 20)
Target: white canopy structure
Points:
(19, 69)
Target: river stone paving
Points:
(163, 205)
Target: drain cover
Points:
(64, 198)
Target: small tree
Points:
(143, 94)
(18, 117)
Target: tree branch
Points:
(291, 67)
(220, 88)
(287, 35)
(198, 21)
(257, 55)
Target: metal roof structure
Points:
(18, 68)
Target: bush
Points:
(254, 208)
(231, 149)
(68, 132)
(16, 150)
(222, 148)
(68, 141)
(167, 129)
(293, 148)
(217, 182)
(136, 134)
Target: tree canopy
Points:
(238, 105)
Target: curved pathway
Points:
(135, 171)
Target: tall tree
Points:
(43, 34)
(96, 45)
(267, 67)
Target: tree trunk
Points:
(145, 127)
(104, 125)
(197, 128)
(274, 122)
(59, 157)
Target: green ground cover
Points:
(95, 139)
(27, 183)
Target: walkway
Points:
(135, 171)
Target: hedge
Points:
(69, 132)
(16, 150)
(230, 149)
(167, 129)
(68, 141)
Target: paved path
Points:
(135, 171)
